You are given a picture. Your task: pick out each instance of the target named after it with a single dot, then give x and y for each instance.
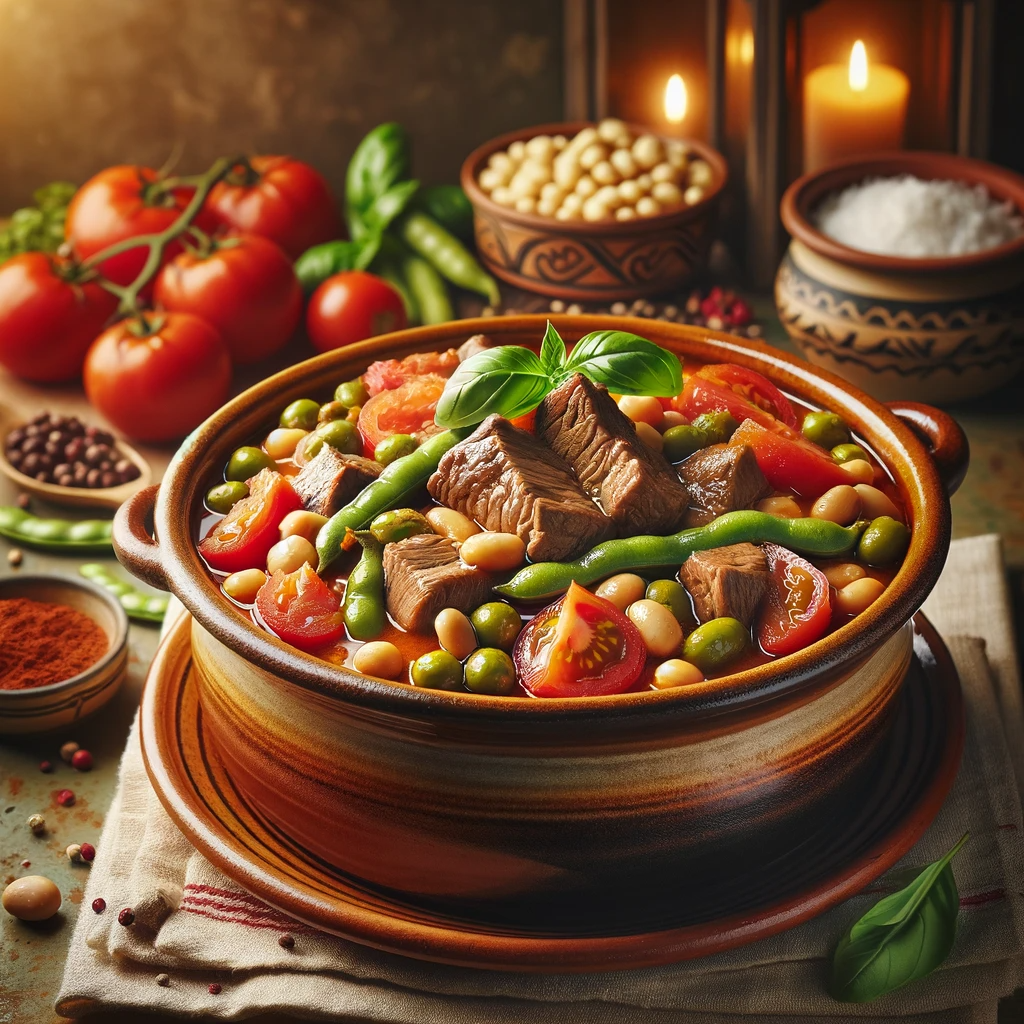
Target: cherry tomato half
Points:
(745, 394)
(407, 409)
(301, 609)
(244, 537)
(580, 646)
(388, 374)
(245, 288)
(48, 322)
(351, 307)
(798, 609)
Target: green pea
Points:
(437, 670)
(398, 524)
(496, 625)
(682, 441)
(396, 446)
(331, 411)
(246, 462)
(340, 434)
(301, 414)
(489, 670)
(828, 429)
(848, 452)
(715, 643)
(351, 393)
(719, 426)
(884, 542)
(674, 597)
(222, 497)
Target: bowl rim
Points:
(115, 650)
(814, 667)
(806, 192)
(472, 164)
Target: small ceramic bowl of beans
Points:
(64, 460)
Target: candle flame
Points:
(858, 67)
(675, 99)
(747, 47)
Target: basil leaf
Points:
(317, 264)
(552, 350)
(381, 159)
(385, 208)
(626, 364)
(901, 938)
(508, 380)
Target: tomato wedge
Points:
(300, 608)
(242, 539)
(580, 646)
(407, 409)
(745, 394)
(798, 609)
(790, 464)
(388, 374)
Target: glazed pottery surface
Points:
(937, 329)
(591, 261)
(499, 806)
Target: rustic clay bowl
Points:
(501, 808)
(595, 262)
(933, 330)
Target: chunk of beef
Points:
(508, 481)
(332, 479)
(722, 478)
(730, 581)
(632, 483)
(472, 345)
(423, 574)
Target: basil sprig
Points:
(901, 938)
(511, 380)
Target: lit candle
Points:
(854, 110)
(675, 100)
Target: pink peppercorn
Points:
(46, 766)
(65, 798)
(87, 852)
(214, 989)
(126, 917)
(81, 760)
(99, 905)
(740, 313)
(26, 863)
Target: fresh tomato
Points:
(388, 374)
(47, 321)
(745, 394)
(350, 307)
(159, 376)
(798, 609)
(407, 409)
(245, 288)
(279, 198)
(243, 538)
(119, 203)
(580, 646)
(301, 609)
(790, 464)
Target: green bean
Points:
(137, 605)
(363, 607)
(55, 535)
(629, 554)
(428, 290)
(403, 477)
(424, 235)
(449, 206)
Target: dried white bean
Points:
(676, 672)
(455, 633)
(493, 552)
(840, 504)
(622, 590)
(379, 658)
(290, 554)
(642, 409)
(859, 595)
(302, 523)
(658, 626)
(875, 503)
(244, 586)
(281, 442)
(449, 523)
(840, 575)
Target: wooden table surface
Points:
(990, 501)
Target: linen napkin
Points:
(198, 928)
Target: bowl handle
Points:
(943, 436)
(134, 545)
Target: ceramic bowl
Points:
(595, 262)
(498, 807)
(933, 330)
(50, 707)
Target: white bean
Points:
(541, 149)
(281, 442)
(700, 173)
(379, 658)
(582, 139)
(449, 523)
(559, 142)
(658, 626)
(630, 191)
(860, 469)
(493, 552)
(645, 182)
(502, 164)
(573, 202)
(671, 418)
(625, 213)
(677, 156)
(502, 195)
(855, 597)
(593, 155)
(622, 160)
(594, 209)
(604, 173)
(663, 172)
(784, 506)
(609, 195)
(551, 192)
(517, 151)
(646, 206)
(839, 504)
(290, 554)
(667, 193)
(622, 590)
(585, 187)
(527, 204)
(693, 195)
(243, 586)
(491, 179)
(610, 128)
(547, 207)
(455, 633)
(302, 523)
(875, 503)
(642, 409)
(567, 171)
(846, 572)
(676, 672)
(568, 213)
(650, 437)
(647, 151)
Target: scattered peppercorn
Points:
(65, 797)
(74, 853)
(24, 500)
(88, 852)
(286, 941)
(99, 905)
(15, 557)
(126, 917)
(81, 760)
(163, 980)
(214, 989)
(68, 750)
(46, 766)
(37, 823)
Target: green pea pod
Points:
(363, 607)
(816, 537)
(428, 290)
(137, 605)
(315, 265)
(402, 478)
(380, 160)
(450, 207)
(388, 264)
(424, 235)
(56, 535)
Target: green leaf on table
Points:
(552, 350)
(901, 938)
(626, 364)
(508, 380)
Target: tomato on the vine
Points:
(301, 609)
(407, 409)
(157, 377)
(279, 198)
(245, 287)
(47, 320)
(351, 307)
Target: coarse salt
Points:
(906, 216)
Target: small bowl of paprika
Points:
(63, 651)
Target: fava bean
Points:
(446, 522)
(243, 586)
(351, 392)
(302, 414)
(828, 429)
(849, 452)
(783, 505)
(56, 535)
(137, 605)
(398, 524)
(394, 447)
(884, 542)
(859, 595)
(302, 523)
(490, 671)
(224, 496)
(657, 625)
(455, 632)
(860, 470)
(641, 409)
(379, 658)
(622, 589)
(437, 670)
(246, 462)
(493, 552)
(676, 672)
(679, 443)
(290, 554)
(674, 597)
(716, 643)
(719, 426)
(281, 442)
(839, 504)
(496, 624)
(846, 572)
(875, 503)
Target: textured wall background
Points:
(88, 83)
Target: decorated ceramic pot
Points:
(935, 329)
(592, 261)
(505, 808)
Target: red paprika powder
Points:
(45, 643)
